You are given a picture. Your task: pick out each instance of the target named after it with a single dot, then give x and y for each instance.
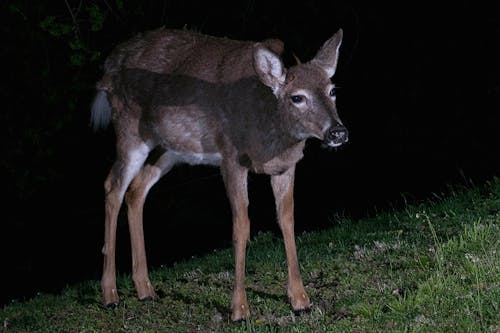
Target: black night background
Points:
(420, 94)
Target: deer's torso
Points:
(199, 97)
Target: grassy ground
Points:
(433, 267)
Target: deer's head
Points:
(306, 96)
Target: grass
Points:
(432, 267)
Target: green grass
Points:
(432, 267)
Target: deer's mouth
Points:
(336, 136)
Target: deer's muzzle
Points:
(336, 136)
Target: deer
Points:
(182, 97)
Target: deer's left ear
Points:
(328, 55)
(269, 68)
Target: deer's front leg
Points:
(235, 179)
(283, 194)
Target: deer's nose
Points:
(336, 136)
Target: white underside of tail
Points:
(101, 111)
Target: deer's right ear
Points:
(269, 68)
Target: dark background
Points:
(420, 94)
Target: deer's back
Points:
(187, 53)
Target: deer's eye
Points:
(297, 99)
(333, 92)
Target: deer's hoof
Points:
(145, 290)
(240, 313)
(301, 312)
(300, 302)
(148, 299)
(239, 320)
(110, 296)
(111, 306)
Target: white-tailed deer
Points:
(203, 100)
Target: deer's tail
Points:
(100, 116)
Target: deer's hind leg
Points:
(131, 154)
(135, 198)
